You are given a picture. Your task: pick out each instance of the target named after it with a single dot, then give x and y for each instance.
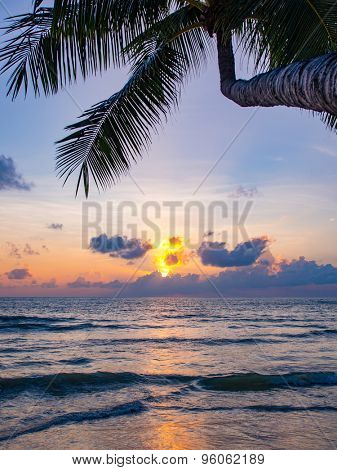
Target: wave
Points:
(320, 332)
(252, 382)
(55, 328)
(263, 338)
(76, 361)
(78, 417)
(44, 327)
(54, 324)
(281, 325)
(290, 409)
(81, 382)
(326, 331)
(138, 406)
(281, 321)
(35, 318)
(197, 341)
(257, 408)
(64, 382)
(327, 302)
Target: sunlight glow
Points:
(171, 254)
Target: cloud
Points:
(55, 226)
(14, 251)
(18, 274)
(297, 272)
(326, 150)
(28, 250)
(279, 278)
(244, 254)
(82, 283)
(49, 284)
(9, 177)
(151, 284)
(176, 285)
(245, 191)
(120, 247)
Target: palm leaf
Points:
(277, 32)
(195, 47)
(25, 54)
(50, 47)
(116, 131)
(330, 120)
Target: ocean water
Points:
(168, 373)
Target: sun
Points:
(171, 254)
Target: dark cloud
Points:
(176, 285)
(120, 247)
(151, 284)
(9, 177)
(244, 254)
(245, 191)
(209, 234)
(298, 272)
(18, 274)
(55, 226)
(304, 272)
(82, 283)
(264, 278)
(49, 284)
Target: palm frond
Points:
(24, 55)
(50, 47)
(195, 47)
(278, 32)
(36, 4)
(115, 131)
(330, 120)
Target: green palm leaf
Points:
(277, 32)
(116, 131)
(50, 47)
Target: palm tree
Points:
(164, 42)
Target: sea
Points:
(168, 373)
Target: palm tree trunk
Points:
(310, 84)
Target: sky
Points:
(212, 157)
